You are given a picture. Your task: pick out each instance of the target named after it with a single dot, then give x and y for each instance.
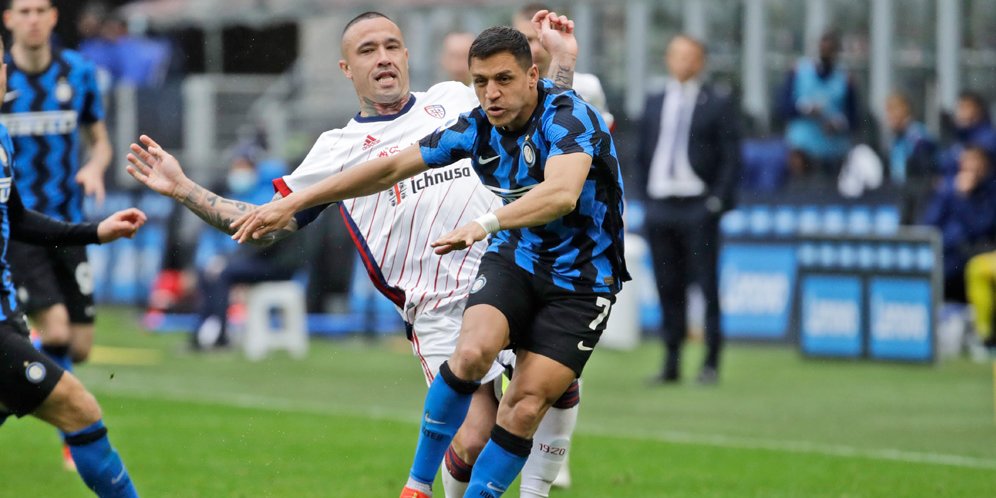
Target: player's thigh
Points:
(75, 279)
(34, 275)
(27, 377)
(434, 338)
(568, 325)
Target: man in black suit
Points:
(688, 166)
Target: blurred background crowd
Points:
(859, 119)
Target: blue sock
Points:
(499, 463)
(60, 355)
(446, 406)
(99, 464)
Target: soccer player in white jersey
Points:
(393, 229)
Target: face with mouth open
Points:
(506, 90)
(376, 60)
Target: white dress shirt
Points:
(671, 174)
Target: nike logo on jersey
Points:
(118, 478)
(10, 96)
(482, 160)
(582, 347)
(432, 421)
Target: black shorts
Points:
(545, 319)
(27, 376)
(46, 276)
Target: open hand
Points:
(556, 33)
(120, 224)
(267, 218)
(460, 239)
(154, 167)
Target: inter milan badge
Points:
(35, 372)
(478, 284)
(528, 153)
(63, 91)
(437, 111)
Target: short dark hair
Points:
(502, 39)
(363, 17)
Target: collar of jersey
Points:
(386, 117)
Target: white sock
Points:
(551, 444)
(452, 487)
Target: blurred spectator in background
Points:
(980, 287)
(964, 210)
(819, 104)
(227, 263)
(972, 128)
(453, 59)
(587, 85)
(913, 157)
(689, 160)
(128, 59)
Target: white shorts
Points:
(434, 338)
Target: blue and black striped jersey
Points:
(582, 251)
(43, 113)
(8, 296)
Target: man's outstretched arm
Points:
(160, 171)
(368, 178)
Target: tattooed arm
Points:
(556, 33)
(157, 169)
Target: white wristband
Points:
(489, 222)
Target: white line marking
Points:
(674, 437)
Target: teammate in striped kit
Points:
(31, 383)
(393, 227)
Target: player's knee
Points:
(523, 412)
(471, 361)
(79, 355)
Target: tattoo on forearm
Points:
(564, 76)
(220, 212)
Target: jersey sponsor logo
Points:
(437, 111)
(63, 91)
(510, 194)
(369, 142)
(478, 284)
(26, 124)
(35, 372)
(430, 178)
(4, 190)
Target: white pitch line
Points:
(253, 401)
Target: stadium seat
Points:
(262, 332)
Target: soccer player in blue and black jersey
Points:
(52, 96)
(554, 263)
(30, 382)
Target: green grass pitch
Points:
(343, 423)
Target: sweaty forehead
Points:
(375, 30)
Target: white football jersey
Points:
(393, 229)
